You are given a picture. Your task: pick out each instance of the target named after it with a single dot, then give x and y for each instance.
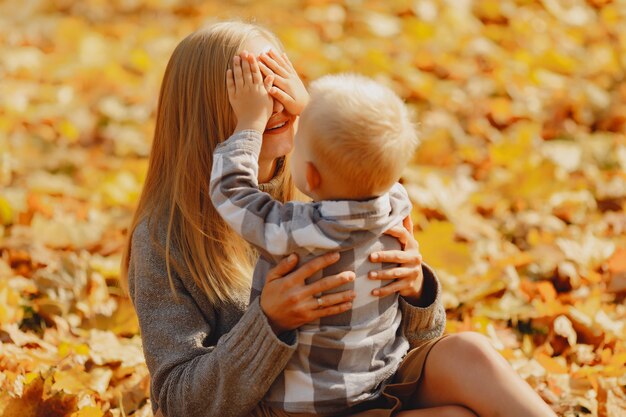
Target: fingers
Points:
(285, 266)
(406, 238)
(246, 70)
(278, 58)
(404, 234)
(257, 77)
(286, 58)
(328, 283)
(330, 300)
(400, 233)
(268, 82)
(273, 65)
(264, 69)
(392, 273)
(313, 266)
(237, 72)
(331, 311)
(245, 64)
(408, 223)
(279, 81)
(230, 84)
(395, 256)
(394, 287)
(281, 96)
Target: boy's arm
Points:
(274, 228)
(255, 215)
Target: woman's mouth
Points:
(279, 128)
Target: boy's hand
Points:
(288, 89)
(248, 93)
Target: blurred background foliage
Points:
(519, 184)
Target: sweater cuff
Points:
(246, 140)
(420, 317)
(255, 322)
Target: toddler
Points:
(354, 138)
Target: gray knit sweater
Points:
(219, 360)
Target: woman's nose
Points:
(278, 107)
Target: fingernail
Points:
(373, 274)
(375, 292)
(291, 258)
(350, 277)
(374, 257)
(334, 255)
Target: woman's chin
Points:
(279, 144)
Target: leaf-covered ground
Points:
(519, 184)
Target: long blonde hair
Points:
(193, 116)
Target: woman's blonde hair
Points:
(193, 116)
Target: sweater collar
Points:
(271, 185)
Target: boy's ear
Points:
(313, 177)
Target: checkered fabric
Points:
(340, 360)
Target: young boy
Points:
(354, 139)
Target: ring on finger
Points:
(320, 302)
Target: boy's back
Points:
(341, 360)
(348, 159)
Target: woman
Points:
(211, 354)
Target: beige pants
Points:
(397, 396)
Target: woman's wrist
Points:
(427, 292)
(276, 328)
(417, 297)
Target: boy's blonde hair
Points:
(360, 132)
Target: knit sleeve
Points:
(426, 321)
(192, 375)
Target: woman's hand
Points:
(288, 87)
(248, 93)
(408, 277)
(289, 303)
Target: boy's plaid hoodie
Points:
(340, 360)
